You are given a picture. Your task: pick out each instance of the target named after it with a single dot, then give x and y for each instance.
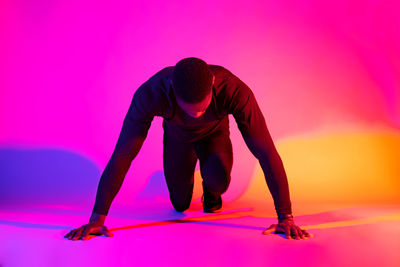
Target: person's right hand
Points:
(93, 228)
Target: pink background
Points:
(68, 71)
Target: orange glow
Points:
(336, 169)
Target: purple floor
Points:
(347, 236)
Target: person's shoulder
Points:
(155, 90)
(220, 71)
(159, 80)
(225, 77)
(162, 75)
(166, 71)
(225, 81)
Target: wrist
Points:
(97, 217)
(285, 216)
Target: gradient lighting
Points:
(326, 76)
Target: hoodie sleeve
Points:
(148, 101)
(251, 123)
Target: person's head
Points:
(192, 82)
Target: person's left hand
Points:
(287, 227)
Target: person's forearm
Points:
(129, 143)
(110, 182)
(271, 164)
(276, 179)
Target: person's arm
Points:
(146, 103)
(251, 123)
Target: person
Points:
(194, 99)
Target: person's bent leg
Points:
(216, 160)
(179, 160)
(216, 172)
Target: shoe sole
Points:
(212, 210)
(215, 211)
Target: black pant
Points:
(179, 159)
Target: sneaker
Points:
(210, 203)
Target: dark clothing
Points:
(216, 157)
(156, 98)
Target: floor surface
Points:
(159, 236)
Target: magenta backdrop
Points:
(68, 70)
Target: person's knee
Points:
(179, 207)
(180, 204)
(217, 176)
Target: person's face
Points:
(195, 110)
